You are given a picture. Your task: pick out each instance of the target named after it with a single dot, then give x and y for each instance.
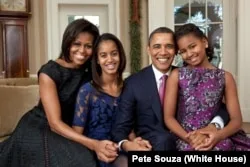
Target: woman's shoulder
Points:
(51, 69)
(51, 64)
(54, 65)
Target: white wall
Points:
(52, 10)
(160, 14)
(244, 57)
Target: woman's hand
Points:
(106, 150)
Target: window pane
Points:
(178, 62)
(215, 32)
(92, 19)
(214, 10)
(181, 11)
(207, 14)
(198, 11)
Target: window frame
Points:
(229, 47)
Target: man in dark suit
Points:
(140, 108)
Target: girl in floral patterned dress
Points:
(196, 92)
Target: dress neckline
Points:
(201, 68)
(102, 92)
(66, 68)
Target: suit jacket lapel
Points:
(152, 89)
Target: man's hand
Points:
(143, 143)
(138, 144)
(106, 150)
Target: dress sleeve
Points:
(52, 70)
(82, 106)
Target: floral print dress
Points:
(199, 98)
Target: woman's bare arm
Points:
(50, 101)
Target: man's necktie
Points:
(162, 88)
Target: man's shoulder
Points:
(139, 75)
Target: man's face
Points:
(162, 51)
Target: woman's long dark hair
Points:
(96, 69)
(193, 29)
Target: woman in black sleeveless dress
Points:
(43, 136)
